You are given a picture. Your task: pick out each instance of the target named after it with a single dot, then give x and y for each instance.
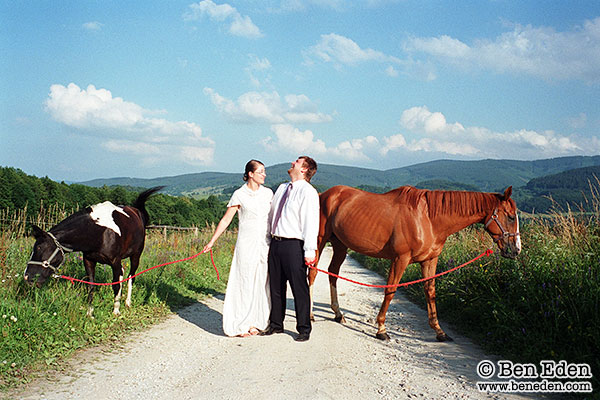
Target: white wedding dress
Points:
(247, 299)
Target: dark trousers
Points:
(286, 263)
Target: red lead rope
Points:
(486, 253)
(73, 280)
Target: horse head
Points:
(47, 256)
(503, 225)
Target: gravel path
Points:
(188, 357)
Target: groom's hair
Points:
(310, 165)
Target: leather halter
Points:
(505, 233)
(59, 249)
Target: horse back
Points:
(108, 232)
(368, 223)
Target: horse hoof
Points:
(442, 337)
(383, 336)
(340, 319)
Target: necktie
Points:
(280, 208)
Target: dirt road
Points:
(188, 357)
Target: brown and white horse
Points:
(408, 225)
(105, 233)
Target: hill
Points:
(485, 175)
(575, 187)
(20, 191)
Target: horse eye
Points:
(512, 218)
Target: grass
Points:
(40, 327)
(545, 305)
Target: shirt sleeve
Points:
(235, 199)
(270, 196)
(310, 222)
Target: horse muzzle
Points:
(510, 249)
(37, 280)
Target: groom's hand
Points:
(310, 261)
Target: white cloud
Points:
(268, 107)
(537, 51)
(128, 146)
(91, 108)
(257, 70)
(391, 71)
(93, 26)
(393, 142)
(294, 140)
(239, 25)
(196, 155)
(126, 126)
(340, 50)
(336, 48)
(429, 145)
(429, 132)
(259, 64)
(355, 149)
(432, 133)
(420, 118)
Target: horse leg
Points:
(428, 269)
(339, 255)
(396, 271)
(312, 272)
(135, 262)
(118, 273)
(90, 270)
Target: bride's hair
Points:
(251, 166)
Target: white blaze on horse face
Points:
(102, 215)
(518, 237)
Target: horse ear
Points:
(507, 193)
(37, 232)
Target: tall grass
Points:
(545, 305)
(39, 327)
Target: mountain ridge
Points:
(487, 175)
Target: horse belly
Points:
(366, 234)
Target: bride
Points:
(247, 299)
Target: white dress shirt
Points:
(300, 215)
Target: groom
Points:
(294, 231)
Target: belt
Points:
(279, 238)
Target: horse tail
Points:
(140, 202)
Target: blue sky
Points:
(93, 89)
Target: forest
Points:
(19, 191)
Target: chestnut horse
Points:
(408, 225)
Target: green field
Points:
(40, 327)
(544, 305)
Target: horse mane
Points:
(448, 202)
